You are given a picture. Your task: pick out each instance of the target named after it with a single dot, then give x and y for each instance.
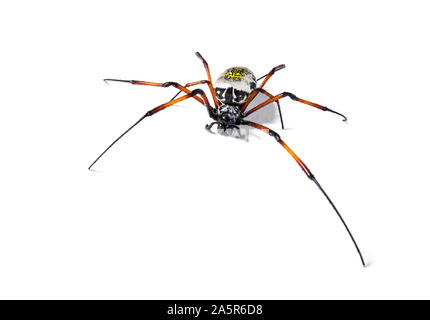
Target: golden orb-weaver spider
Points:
(233, 91)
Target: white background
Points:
(174, 212)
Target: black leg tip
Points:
(280, 67)
(338, 113)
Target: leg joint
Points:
(275, 135)
(196, 92)
(169, 84)
(288, 94)
(197, 82)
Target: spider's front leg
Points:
(292, 97)
(202, 100)
(190, 84)
(308, 173)
(151, 112)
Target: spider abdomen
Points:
(234, 85)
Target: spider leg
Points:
(190, 85)
(211, 87)
(202, 99)
(308, 174)
(255, 92)
(150, 113)
(277, 102)
(293, 97)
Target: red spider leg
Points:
(165, 85)
(211, 87)
(190, 84)
(293, 97)
(155, 110)
(308, 174)
(255, 92)
(277, 102)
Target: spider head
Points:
(229, 115)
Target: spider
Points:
(232, 92)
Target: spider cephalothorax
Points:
(229, 115)
(234, 89)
